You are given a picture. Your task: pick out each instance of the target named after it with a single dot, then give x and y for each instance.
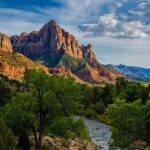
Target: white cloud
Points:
(142, 11)
(119, 4)
(110, 25)
(76, 11)
(121, 51)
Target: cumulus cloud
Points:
(142, 11)
(110, 25)
(119, 4)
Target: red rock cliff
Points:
(14, 64)
(5, 44)
(51, 39)
(88, 53)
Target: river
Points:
(99, 132)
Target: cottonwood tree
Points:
(7, 139)
(49, 97)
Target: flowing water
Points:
(99, 132)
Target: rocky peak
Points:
(58, 40)
(24, 34)
(53, 23)
(49, 45)
(51, 36)
(51, 39)
(5, 44)
(88, 53)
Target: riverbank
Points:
(103, 118)
(59, 143)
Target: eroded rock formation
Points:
(51, 39)
(5, 44)
(13, 64)
(55, 47)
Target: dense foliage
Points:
(97, 99)
(69, 127)
(7, 139)
(37, 105)
(125, 106)
(5, 92)
(47, 105)
(130, 123)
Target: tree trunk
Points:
(41, 122)
(23, 142)
(38, 145)
(35, 137)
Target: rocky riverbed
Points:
(99, 132)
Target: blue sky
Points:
(119, 30)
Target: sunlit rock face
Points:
(55, 47)
(5, 44)
(50, 39)
(13, 64)
(88, 53)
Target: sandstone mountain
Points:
(57, 49)
(58, 41)
(14, 65)
(5, 44)
(51, 40)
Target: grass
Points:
(103, 118)
(91, 114)
(17, 60)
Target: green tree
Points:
(20, 117)
(7, 139)
(69, 127)
(49, 97)
(133, 92)
(147, 121)
(5, 92)
(121, 84)
(109, 94)
(128, 126)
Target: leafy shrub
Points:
(7, 140)
(69, 128)
(5, 92)
(128, 124)
(90, 113)
(99, 108)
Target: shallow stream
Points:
(99, 132)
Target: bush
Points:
(99, 107)
(5, 92)
(69, 128)
(7, 139)
(128, 125)
(90, 113)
